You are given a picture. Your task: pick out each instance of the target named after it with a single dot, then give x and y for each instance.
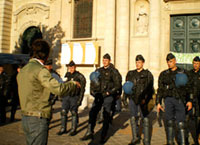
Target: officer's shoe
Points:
(135, 142)
(62, 131)
(89, 133)
(87, 136)
(73, 133)
(102, 140)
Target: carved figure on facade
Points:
(142, 18)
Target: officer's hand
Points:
(189, 106)
(78, 84)
(159, 107)
(143, 101)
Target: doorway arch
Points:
(30, 34)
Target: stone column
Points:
(122, 49)
(154, 35)
(5, 25)
(109, 42)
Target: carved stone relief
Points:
(141, 17)
(34, 10)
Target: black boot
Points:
(63, 123)
(100, 119)
(135, 140)
(170, 134)
(181, 127)
(89, 133)
(74, 125)
(146, 139)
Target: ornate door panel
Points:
(185, 36)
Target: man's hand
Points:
(159, 107)
(189, 106)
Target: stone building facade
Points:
(122, 28)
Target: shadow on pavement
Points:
(117, 123)
(9, 122)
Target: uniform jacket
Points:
(79, 77)
(34, 86)
(109, 81)
(167, 87)
(143, 85)
(195, 76)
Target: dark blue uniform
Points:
(138, 102)
(3, 100)
(72, 102)
(104, 92)
(195, 113)
(175, 99)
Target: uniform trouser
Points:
(174, 110)
(69, 104)
(2, 109)
(35, 130)
(96, 107)
(136, 112)
(14, 105)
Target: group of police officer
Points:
(177, 88)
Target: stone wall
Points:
(5, 25)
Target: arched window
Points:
(82, 18)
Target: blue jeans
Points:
(35, 130)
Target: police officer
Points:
(195, 75)
(116, 104)
(2, 96)
(142, 80)
(73, 101)
(174, 88)
(104, 91)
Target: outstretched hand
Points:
(159, 107)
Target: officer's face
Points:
(196, 65)
(1, 69)
(139, 64)
(171, 63)
(106, 62)
(71, 69)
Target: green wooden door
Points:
(185, 36)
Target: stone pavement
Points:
(119, 132)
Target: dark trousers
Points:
(98, 103)
(135, 110)
(2, 109)
(174, 109)
(70, 104)
(35, 130)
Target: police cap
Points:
(196, 59)
(71, 63)
(140, 57)
(170, 56)
(106, 56)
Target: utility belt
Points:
(36, 114)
